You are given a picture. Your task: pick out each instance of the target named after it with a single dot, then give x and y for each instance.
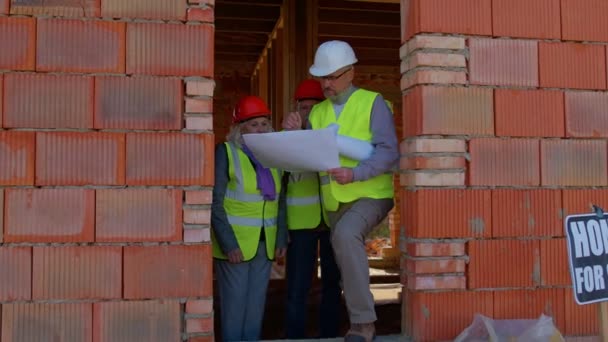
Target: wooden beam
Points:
(360, 17)
(239, 49)
(240, 38)
(368, 31)
(241, 25)
(245, 2)
(247, 11)
(359, 6)
(361, 43)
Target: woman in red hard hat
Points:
(248, 224)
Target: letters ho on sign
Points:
(587, 237)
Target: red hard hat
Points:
(249, 107)
(309, 90)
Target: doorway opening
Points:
(264, 48)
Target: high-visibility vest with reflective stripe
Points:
(303, 201)
(246, 208)
(354, 121)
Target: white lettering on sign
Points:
(589, 278)
(591, 238)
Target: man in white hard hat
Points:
(359, 194)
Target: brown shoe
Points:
(362, 332)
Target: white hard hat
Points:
(331, 56)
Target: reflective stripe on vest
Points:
(354, 121)
(246, 209)
(303, 202)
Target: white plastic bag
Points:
(510, 330)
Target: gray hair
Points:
(235, 136)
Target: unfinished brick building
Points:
(110, 110)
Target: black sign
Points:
(587, 237)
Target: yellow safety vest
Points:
(354, 121)
(246, 208)
(303, 201)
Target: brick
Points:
(435, 249)
(41, 321)
(169, 159)
(150, 271)
(80, 46)
(529, 304)
(49, 215)
(572, 65)
(579, 201)
(431, 145)
(199, 325)
(519, 213)
(199, 105)
(74, 158)
(145, 9)
(138, 103)
(431, 42)
(15, 273)
(420, 178)
(197, 216)
(51, 101)
(191, 47)
(449, 111)
(580, 319)
(151, 321)
(18, 39)
(554, 263)
(429, 319)
(199, 307)
(198, 197)
(433, 59)
(573, 163)
(418, 163)
(202, 87)
(446, 282)
(418, 266)
(526, 19)
(505, 162)
(464, 213)
(135, 215)
(584, 20)
(435, 76)
(586, 114)
(503, 263)
(1, 97)
(199, 123)
(503, 62)
(77, 272)
(529, 113)
(56, 8)
(454, 16)
(17, 158)
(205, 14)
(196, 235)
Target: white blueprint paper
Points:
(296, 151)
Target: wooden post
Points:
(603, 320)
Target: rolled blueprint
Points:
(350, 147)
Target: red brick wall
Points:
(505, 134)
(106, 147)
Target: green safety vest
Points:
(246, 208)
(303, 201)
(354, 121)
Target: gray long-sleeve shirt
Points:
(385, 155)
(222, 230)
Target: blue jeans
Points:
(301, 262)
(242, 291)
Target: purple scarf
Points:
(263, 176)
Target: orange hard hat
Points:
(309, 90)
(249, 107)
